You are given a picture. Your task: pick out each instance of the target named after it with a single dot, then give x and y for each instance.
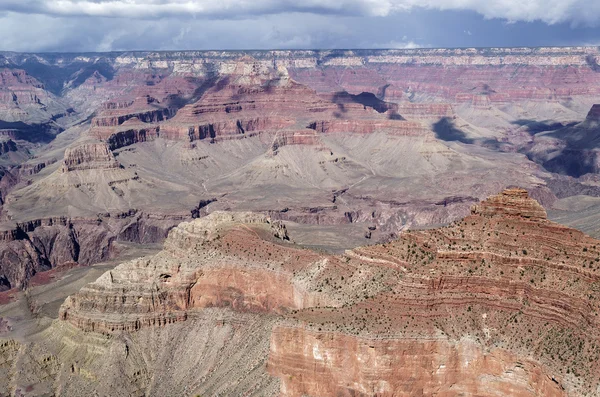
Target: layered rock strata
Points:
(89, 156)
(501, 302)
(35, 246)
(203, 265)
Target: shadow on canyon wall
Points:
(35, 133)
(536, 127)
(574, 156)
(592, 63)
(56, 79)
(447, 131)
(366, 99)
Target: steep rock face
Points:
(7, 146)
(251, 98)
(132, 135)
(89, 156)
(247, 99)
(396, 127)
(18, 88)
(425, 111)
(204, 264)
(302, 137)
(19, 260)
(594, 113)
(332, 364)
(502, 301)
(39, 245)
(24, 102)
(149, 116)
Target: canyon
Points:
(332, 222)
(502, 302)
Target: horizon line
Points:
(297, 49)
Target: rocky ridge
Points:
(314, 137)
(503, 300)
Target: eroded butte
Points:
(347, 147)
(503, 302)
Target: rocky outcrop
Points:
(131, 136)
(211, 271)
(396, 127)
(502, 301)
(312, 363)
(39, 245)
(425, 110)
(148, 116)
(89, 156)
(7, 146)
(27, 108)
(514, 202)
(303, 137)
(594, 114)
(248, 99)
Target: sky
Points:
(126, 25)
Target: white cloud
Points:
(586, 12)
(399, 45)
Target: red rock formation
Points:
(38, 245)
(18, 88)
(250, 99)
(510, 203)
(145, 116)
(333, 364)
(162, 293)
(503, 301)
(133, 135)
(425, 111)
(24, 99)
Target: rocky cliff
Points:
(89, 156)
(501, 302)
(35, 246)
(315, 137)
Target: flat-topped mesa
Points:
(305, 137)
(96, 155)
(511, 202)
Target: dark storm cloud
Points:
(549, 11)
(104, 25)
(226, 9)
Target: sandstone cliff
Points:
(500, 302)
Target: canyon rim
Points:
(402, 222)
